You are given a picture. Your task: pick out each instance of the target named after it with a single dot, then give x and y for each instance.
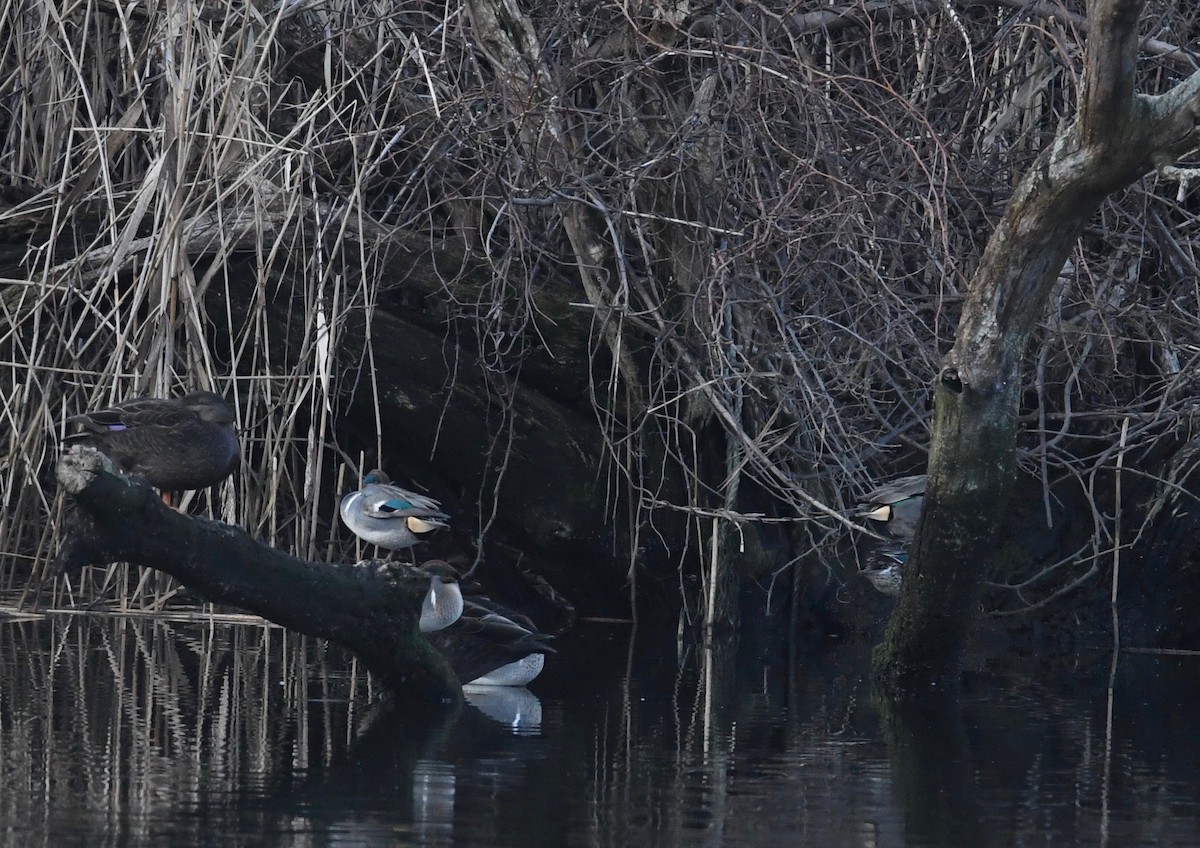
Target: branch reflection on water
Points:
(129, 731)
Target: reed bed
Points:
(764, 221)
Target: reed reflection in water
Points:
(120, 731)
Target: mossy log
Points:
(372, 609)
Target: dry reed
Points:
(770, 218)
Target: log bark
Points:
(372, 609)
(1117, 138)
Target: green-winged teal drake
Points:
(896, 505)
(388, 516)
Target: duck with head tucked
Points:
(443, 604)
(386, 515)
(174, 444)
(897, 506)
(485, 643)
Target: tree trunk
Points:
(1118, 137)
(371, 610)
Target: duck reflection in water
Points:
(513, 706)
(885, 568)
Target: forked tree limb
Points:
(372, 609)
(1118, 136)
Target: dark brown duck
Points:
(173, 444)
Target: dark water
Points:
(131, 732)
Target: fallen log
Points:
(371, 608)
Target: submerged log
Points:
(372, 609)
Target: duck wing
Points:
(379, 501)
(482, 618)
(138, 413)
(482, 641)
(896, 490)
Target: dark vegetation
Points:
(1117, 136)
(647, 294)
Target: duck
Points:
(491, 645)
(443, 603)
(896, 505)
(885, 568)
(388, 516)
(174, 444)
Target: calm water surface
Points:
(115, 731)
